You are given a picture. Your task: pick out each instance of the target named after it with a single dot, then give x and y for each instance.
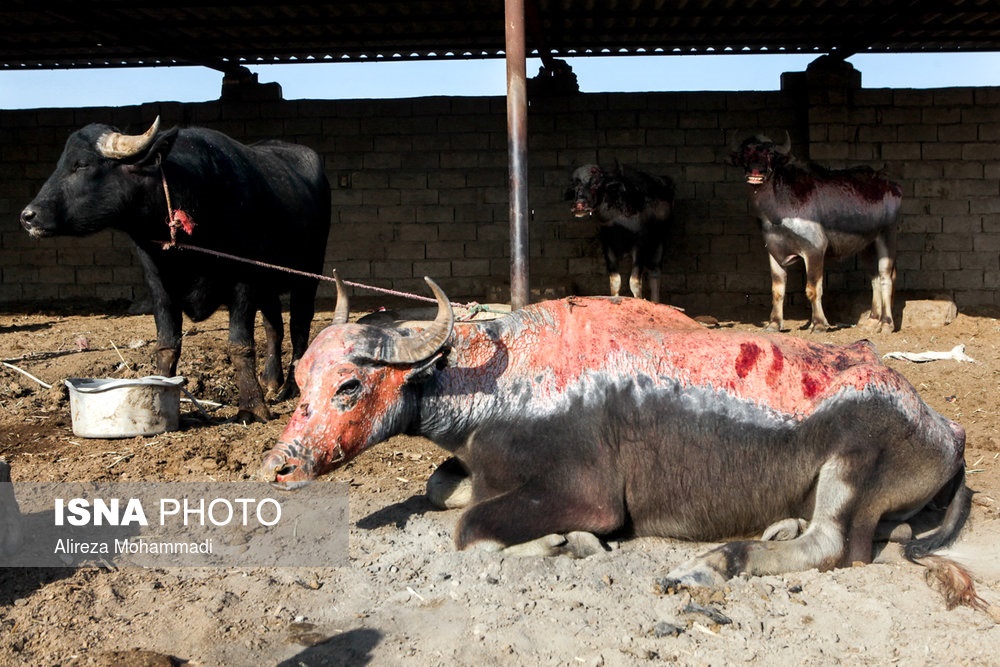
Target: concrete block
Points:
(927, 313)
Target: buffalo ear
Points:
(160, 147)
(425, 369)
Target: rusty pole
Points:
(517, 151)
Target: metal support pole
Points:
(517, 151)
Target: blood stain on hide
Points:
(747, 359)
(810, 385)
(777, 365)
(802, 186)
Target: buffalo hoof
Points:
(784, 530)
(287, 391)
(705, 571)
(256, 416)
(873, 325)
(581, 544)
(577, 544)
(272, 382)
(700, 576)
(450, 486)
(774, 326)
(820, 327)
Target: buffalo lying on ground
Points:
(268, 202)
(597, 415)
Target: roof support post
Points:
(517, 151)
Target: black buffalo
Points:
(812, 212)
(268, 201)
(633, 209)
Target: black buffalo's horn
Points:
(117, 146)
(423, 344)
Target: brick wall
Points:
(420, 188)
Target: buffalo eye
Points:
(80, 165)
(349, 388)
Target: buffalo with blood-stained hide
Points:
(633, 210)
(810, 212)
(268, 201)
(595, 415)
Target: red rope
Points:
(175, 219)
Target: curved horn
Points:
(786, 147)
(424, 344)
(117, 146)
(343, 310)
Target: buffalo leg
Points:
(635, 278)
(882, 254)
(779, 277)
(784, 530)
(242, 354)
(614, 283)
(168, 338)
(648, 256)
(450, 486)
(635, 281)
(578, 544)
(824, 544)
(167, 315)
(885, 243)
(611, 264)
(512, 518)
(274, 331)
(302, 308)
(814, 292)
(654, 285)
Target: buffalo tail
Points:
(944, 574)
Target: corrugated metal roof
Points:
(48, 35)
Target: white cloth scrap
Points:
(957, 353)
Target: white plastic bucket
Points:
(124, 408)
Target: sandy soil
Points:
(407, 597)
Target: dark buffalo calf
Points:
(633, 211)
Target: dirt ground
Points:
(407, 597)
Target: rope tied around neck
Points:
(176, 219)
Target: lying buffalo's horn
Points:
(786, 147)
(422, 345)
(343, 310)
(117, 146)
